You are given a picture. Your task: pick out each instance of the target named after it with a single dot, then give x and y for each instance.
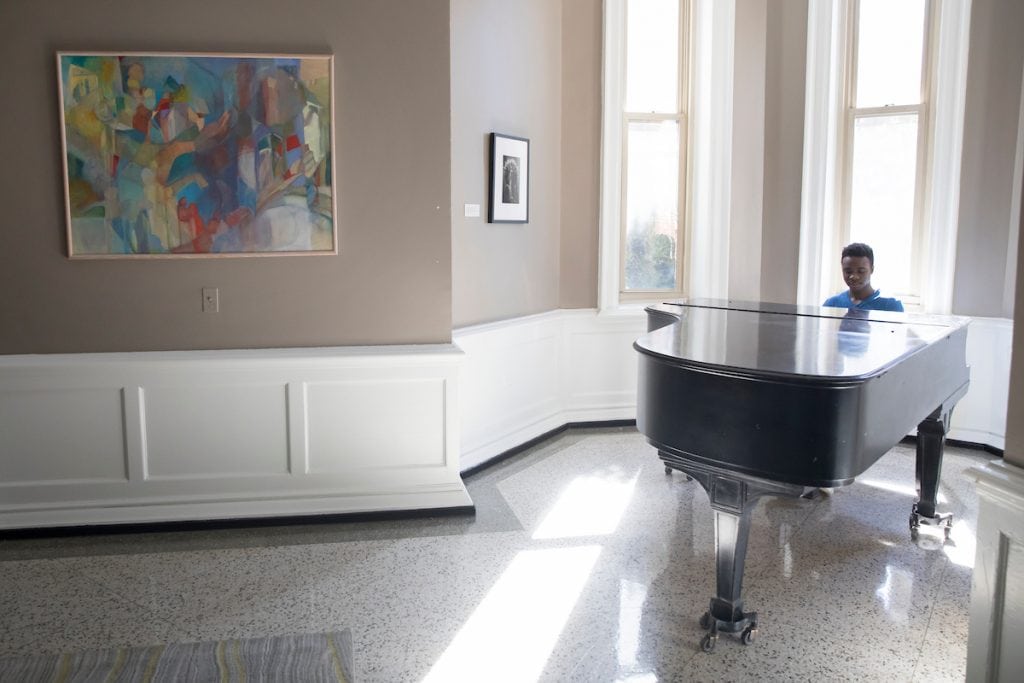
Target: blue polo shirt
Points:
(875, 302)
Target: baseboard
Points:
(512, 452)
(232, 523)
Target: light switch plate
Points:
(211, 300)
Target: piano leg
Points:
(733, 499)
(725, 613)
(931, 437)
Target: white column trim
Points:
(943, 209)
(822, 103)
(1010, 278)
(711, 120)
(613, 79)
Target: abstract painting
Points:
(175, 155)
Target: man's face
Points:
(857, 272)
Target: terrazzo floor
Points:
(584, 562)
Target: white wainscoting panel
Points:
(980, 417)
(345, 419)
(41, 430)
(148, 437)
(526, 376)
(602, 369)
(196, 428)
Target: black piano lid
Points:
(803, 343)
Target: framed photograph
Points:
(197, 155)
(509, 200)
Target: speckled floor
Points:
(584, 562)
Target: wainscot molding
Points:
(118, 438)
(997, 586)
(527, 376)
(980, 417)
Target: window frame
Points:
(706, 226)
(827, 38)
(851, 114)
(681, 116)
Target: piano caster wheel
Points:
(705, 621)
(748, 634)
(948, 529)
(668, 470)
(707, 643)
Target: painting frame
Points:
(509, 181)
(183, 155)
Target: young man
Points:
(858, 262)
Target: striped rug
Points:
(303, 657)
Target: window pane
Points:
(882, 198)
(652, 205)
(652, 55)
(890, 41)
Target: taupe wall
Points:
(1015, 410)
(746, 213)
(389, 284)
(506, 78)
(785, 70)
(581, 152)
(990, 143)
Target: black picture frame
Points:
(509, 186)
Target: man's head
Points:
(860, 249)
(858, 263)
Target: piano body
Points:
(754, 399)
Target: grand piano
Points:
(755, 399)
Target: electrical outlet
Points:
(211, 300)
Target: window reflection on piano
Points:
(859, 334)
(854, 334)
(812, 342)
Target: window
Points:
(666, 151)
(884, 135)
(886, 89)
(654, 149)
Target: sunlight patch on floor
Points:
(513, 631)
(590, 505)
(902, 489)
(964, 544)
